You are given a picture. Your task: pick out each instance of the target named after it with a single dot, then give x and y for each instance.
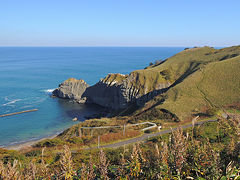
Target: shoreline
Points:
(28, 144)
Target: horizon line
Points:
(118, 46)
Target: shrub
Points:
(75, 140)
(94, 123)
(212, 111)
(33, 153)
(87, 139)
(13, 155)
(147, 131)
(50, 142)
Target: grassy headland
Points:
(202, 78)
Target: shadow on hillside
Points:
(149, 96)
(194, 66)
(140, 102)
(202, 115)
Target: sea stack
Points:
(71, 89)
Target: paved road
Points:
(146, 136)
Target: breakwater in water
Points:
(20, 112)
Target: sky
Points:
(119, 23)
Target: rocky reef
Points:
(71, 89)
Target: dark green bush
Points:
(212, 111)
(75, 140)
(13, 155)
(33, 153)
(50, 142)
(147, 131)
(94, 123)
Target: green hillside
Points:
(198, 78)
(204, 77)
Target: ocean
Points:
(29, 74)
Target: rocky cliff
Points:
(117, 91)
(71, 89)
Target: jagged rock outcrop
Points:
(117, 91)
(71, 89)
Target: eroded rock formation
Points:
(71, 89)
(115, 91)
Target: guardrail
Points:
(129, 125)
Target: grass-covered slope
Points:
(204, 77)
(190, 80)
(174, 69)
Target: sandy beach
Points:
(28, 144)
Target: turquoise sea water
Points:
(28, 74)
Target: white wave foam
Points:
(24, 107)
(11, 102)
(49, 90)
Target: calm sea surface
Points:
(28, 74)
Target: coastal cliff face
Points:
(71, 89)
(117, 91)
(190, 80)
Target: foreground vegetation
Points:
(211, 151)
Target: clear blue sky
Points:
(119, 22)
